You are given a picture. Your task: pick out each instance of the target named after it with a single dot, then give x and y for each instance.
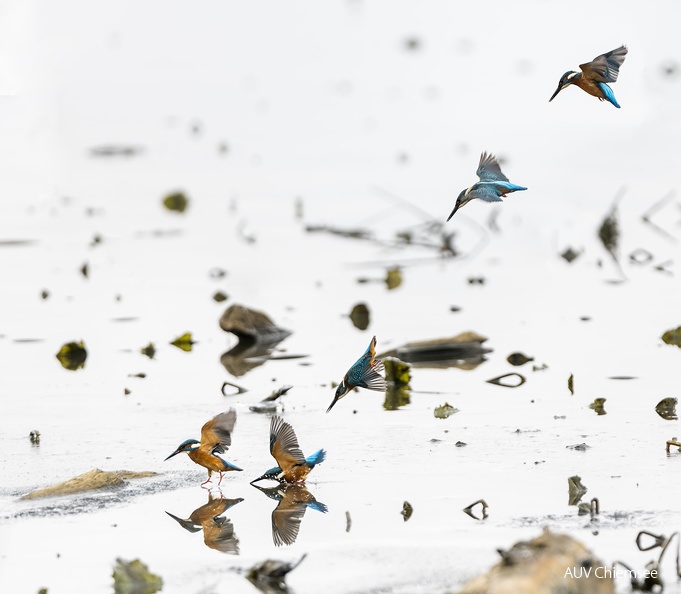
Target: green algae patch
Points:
(445, 411)
(133, 577)
(397, 371)
(666, 408)
(72, 355)
(598, 406)
(184, 342)
(407, 510)
(359, 316)
(672, 337)
(177, 202)
(393, 278)
(89, 481)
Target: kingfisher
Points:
(293, 465)
(595, 75)
(216, 437)
(492, 185)
(288, 515)
(218, 531)
(365, 373)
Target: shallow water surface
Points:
(362, 134)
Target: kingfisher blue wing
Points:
(605, 68)
(489, 169)
(488, 192)
(366, 372)
(216, 434)
(284, 445)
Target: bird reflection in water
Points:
(287, 516)
(218, 531)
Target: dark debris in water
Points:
(579, 447)
(407, 510)
(269, 576)
(471, 509)
(149, 350)
(517, 359)
(465, 351)
(444, 411)
(133, 577)
(72, 355)
(673, 442)
(219, 296)
(502, 380)
(571, 384)
(570, 255)
(666, 408)
(609, 233)
(34, 436)
(576, 490)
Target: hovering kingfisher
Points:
(218, 531)
(293, 465)
(492, 185)
(216, 437)
(595, 75)
(288, 515)
(365, 373)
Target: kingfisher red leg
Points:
(219, 481)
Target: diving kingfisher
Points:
(492, 185)
(293, 465)
(365, 373)
(216, 437)
(595, 75)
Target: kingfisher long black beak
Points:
(175, 453)
(558, 90)
(186, 524)
(456, 207)
(260, 478)
(335, 399)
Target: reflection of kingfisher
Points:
(218, 532)
(365, 373)
(287, 516)
(595, 75)
(492, 185)
(216, 437)
(293, 465)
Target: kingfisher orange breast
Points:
(207, 460)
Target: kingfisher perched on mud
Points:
(293, 465)
(492, 185)
(595, 76)
(216, 437)
(365, 373)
